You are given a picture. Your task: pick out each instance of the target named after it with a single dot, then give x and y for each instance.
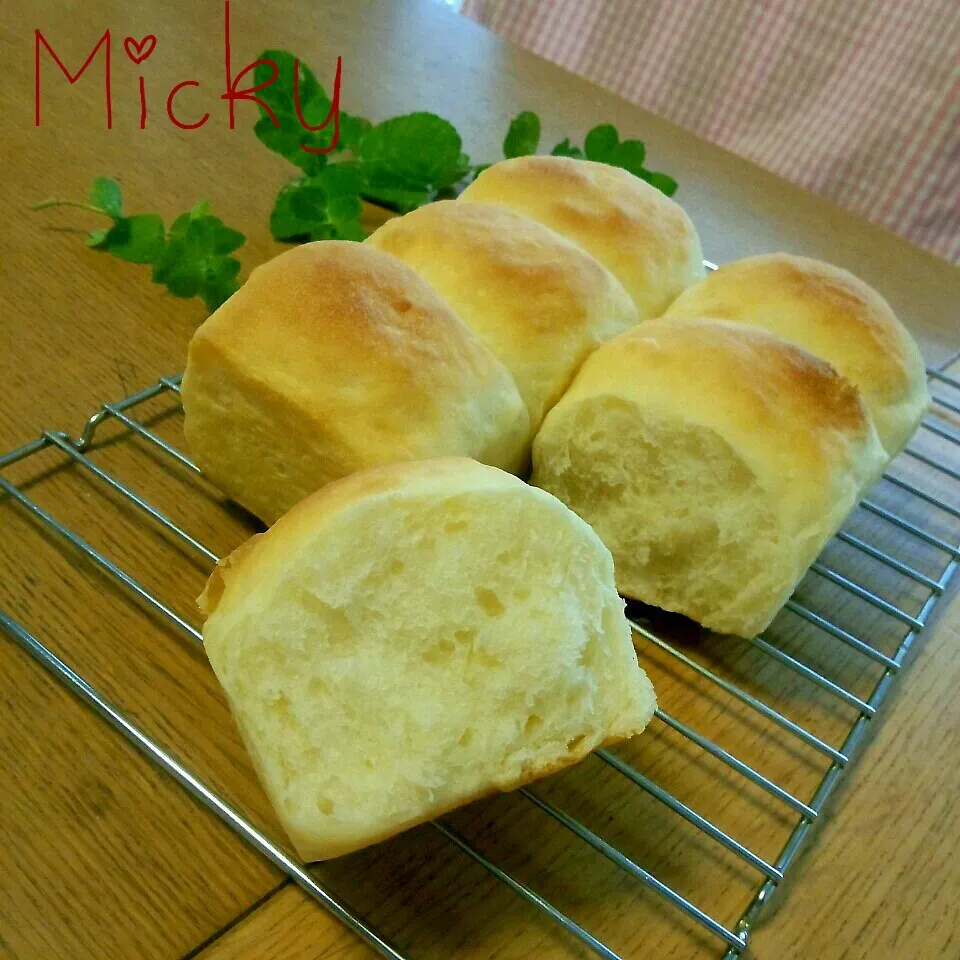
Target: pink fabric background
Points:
(858, 100)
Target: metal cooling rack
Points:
(941, 424)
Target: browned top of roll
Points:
(641, 236)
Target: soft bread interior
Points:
(415, 652)
(692, 527)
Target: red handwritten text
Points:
(138, 51)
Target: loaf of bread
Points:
(334, 357)
(713, 459)
(539, 302)
(414, 637)
(835, 316)
(640, 235)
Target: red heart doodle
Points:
(136, 51)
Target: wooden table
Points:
(103, 856)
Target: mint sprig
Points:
(195, 261)
(602, 144)
(192, 260)
(401, 163)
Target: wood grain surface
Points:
(102, 856)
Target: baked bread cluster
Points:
(419, 626)
(448, 332)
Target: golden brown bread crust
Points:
(539, 302)
(832, 314)
(331, 358)
(800, 430)
(744, 378)
(640, 235)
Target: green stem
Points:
(58, 202)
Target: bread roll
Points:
(714, 460)
(640, 235)
(331, 358)
(414, 637)
(539, 302)
(835, 316)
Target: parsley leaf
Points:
(523, 137)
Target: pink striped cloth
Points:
(858, 100)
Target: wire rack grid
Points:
(730, 938)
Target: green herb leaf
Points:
(220, 282)
(97, 238)
(344, 209)
(347, 230)
(601, 142)
(630, 156)
(289, 136)
(279, 95)
(352, 130)
(420, 152)
(566, 149)
(341, 180)
(309, 203)
(105, 195)
(663, 182)
(523, 137)
(319, 208)
(227, 239)
(138, 239)
(381, 185)
(191, 260)
(285, 225)
(194, 261)
(287, 140)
